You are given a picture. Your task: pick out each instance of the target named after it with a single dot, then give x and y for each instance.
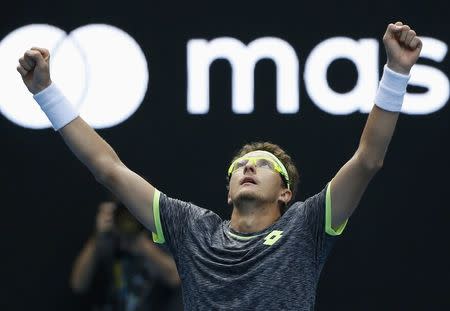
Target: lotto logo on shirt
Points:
(273, 237)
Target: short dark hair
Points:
(281, 155)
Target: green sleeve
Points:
(158, 237)
(328, 229)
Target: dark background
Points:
(394, 254)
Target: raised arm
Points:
(158, 259)
(99, 246)
(347, 187)
(134, 191)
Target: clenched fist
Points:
(402, 47)
(34, 67)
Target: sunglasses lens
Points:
(265, 163)
(240, 164)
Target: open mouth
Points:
(248, 180)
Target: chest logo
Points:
(273, 237)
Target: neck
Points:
(253, 218)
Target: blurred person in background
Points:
(120, 268)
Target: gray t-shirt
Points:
(221, 269)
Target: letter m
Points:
(200, 55)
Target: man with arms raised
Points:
(266, 257)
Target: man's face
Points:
(256, 184)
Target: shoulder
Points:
(184, 207)
(303, 208)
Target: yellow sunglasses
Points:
(259, 162)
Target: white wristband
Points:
(56, 106)
(391, 90)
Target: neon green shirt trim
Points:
(158, 237)
(243, 238)
(328, 229)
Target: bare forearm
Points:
(83, 268)
(89, 148)
(352, 179)
(376, 137)
(130, 188)
(163, 262)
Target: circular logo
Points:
(100, 68)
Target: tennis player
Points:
(270, 254)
